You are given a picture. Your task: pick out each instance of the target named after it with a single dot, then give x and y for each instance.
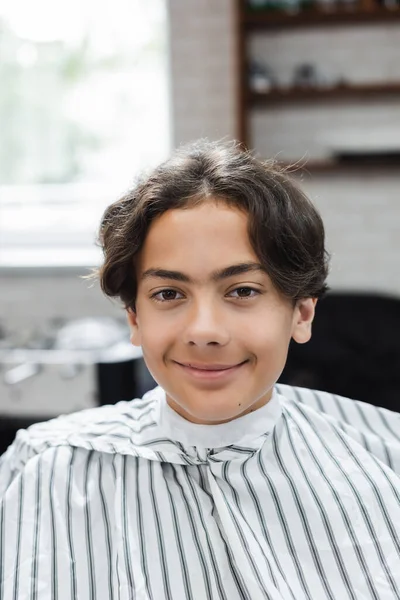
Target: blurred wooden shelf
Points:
(312, 17)
(359, 92)
(267, 23)
(328, 167)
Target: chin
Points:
(214, 416)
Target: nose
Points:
(206, 326)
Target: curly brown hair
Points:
(285, 229)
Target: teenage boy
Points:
(214, 485)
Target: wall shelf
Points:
(262, 19)
(267, 22)
(360, 92)
(331, 167)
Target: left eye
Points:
(167, 296)
(244, 292)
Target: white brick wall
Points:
(203, 66)
(312, 131)
(359, 54)
(362, 220)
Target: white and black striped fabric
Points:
(299, 500)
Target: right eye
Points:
(166, 295)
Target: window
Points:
(84, 107)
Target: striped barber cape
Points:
(298, 500)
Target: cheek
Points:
(151, 328)
(156, 339)
(269, 329)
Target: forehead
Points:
(200, 238)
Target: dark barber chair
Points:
(354, 350)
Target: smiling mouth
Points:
(210, 367)
(210, 371)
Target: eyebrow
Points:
(219, 275)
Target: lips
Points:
(210, 374)
(209, 367)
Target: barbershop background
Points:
(91, 95)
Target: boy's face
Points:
(214, 332)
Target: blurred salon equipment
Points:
(354, 350)
(65, 367)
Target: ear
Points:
(134, 327)
(302, 319)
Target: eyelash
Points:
(242, 287)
